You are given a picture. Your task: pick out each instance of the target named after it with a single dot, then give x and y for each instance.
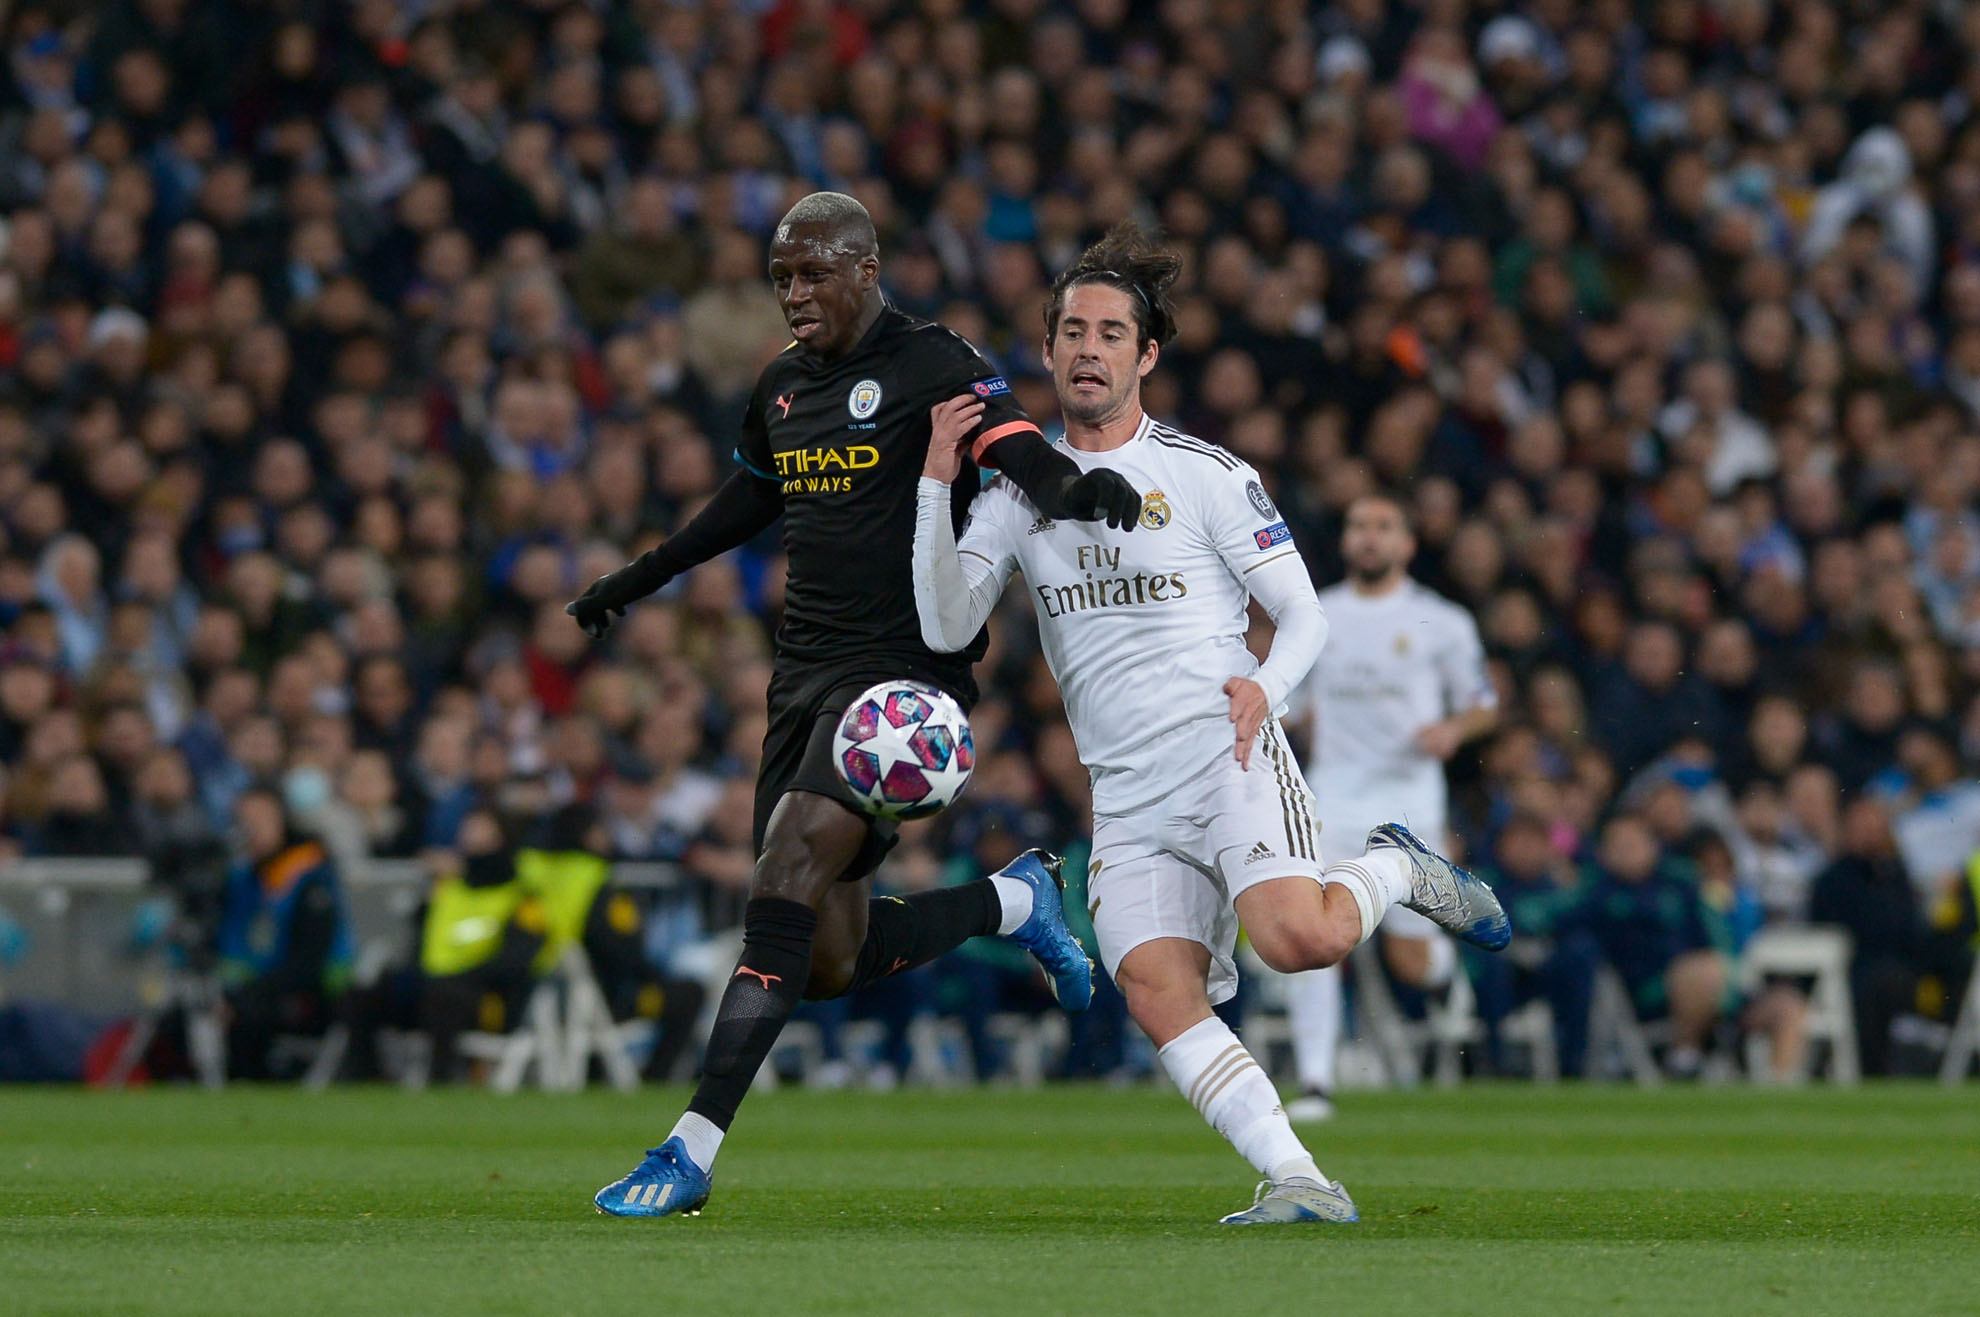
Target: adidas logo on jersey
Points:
(1040, 526)
(1259, 851)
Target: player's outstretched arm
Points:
(955, 589)
(744, 507)
(1002, 438)
(1055, 484)
(1284, 590)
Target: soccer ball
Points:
(904, 749)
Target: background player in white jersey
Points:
(1201, 818)
(1389, 706)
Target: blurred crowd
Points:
(342, 343)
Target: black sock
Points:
(769, 980)
(905, 931)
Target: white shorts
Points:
(1176, 868)
(1347, 822)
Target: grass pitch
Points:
(1067, 1201)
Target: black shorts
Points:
(805, 708)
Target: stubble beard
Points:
(1099, 413)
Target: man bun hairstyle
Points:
(1127, 259)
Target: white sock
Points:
(702, 1138)
(1313, 1012)
(1376, 881)
(1228, 1089)
(1015, 896)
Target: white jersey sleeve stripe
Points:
(1222, 459)
(1274, 558)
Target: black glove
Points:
(1102, 495)
(608, 596)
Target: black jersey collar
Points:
(889, 314)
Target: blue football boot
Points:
(667, 1183)
(1292, 1202)
(1045, 934)
(1445, 894)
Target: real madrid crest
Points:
(1402, 643)
(1155, 510)
(864, 400)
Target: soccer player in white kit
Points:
(1201, 818)
(1387, 711)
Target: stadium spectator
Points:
(165, 810)
(1937, 821)
(1642, 709)
(644, 256)
(1552, 956)
(564, 876)
(478, 942)
(284, 941)
(1670, 949)
(1868, 892)
(77, 818)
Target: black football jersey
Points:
(845, 439)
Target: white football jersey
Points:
(1398, 662)
(1142, 628)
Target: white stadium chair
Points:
(565, 1024)
(1820, 953)
(1030, 1042)
(535, 1044)
(1617, 1041)
(1532, 1027)
(1964, 1045)
(1382, 1020)
(589, 1030)
(1450, 1024)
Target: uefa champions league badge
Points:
(1272, 536)
(864, 400)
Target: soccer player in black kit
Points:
(834, 440)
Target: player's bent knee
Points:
(1291, 948)
(1163, 1004)
(1166, 1010)
(830, 976)
(1335, 944)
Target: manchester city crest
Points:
(864, 400)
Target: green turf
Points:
(1487, 1199)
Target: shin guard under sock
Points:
(765, 989)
